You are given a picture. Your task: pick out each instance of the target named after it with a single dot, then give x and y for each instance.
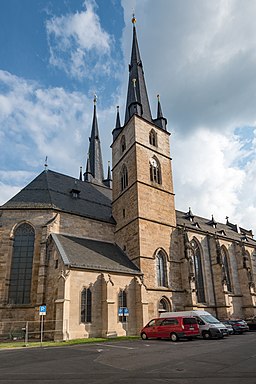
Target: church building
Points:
(107, 254)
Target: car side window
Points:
(170, 322)
(200, 321)
(151, 323)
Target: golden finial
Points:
(133, 18)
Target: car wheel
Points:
(207, 335)
(174, 337)
(143, 336)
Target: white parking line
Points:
(115, 346)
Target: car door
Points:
(151, 329)
(167, 326)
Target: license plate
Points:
(191, 328)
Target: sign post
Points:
(42, 313)
(124, 313)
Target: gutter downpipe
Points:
(213, 285)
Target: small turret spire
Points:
(88, 173)
(81, 174)
(160, 121)
(109, 172)
(108, 181)
(159, 109)
(118, 123)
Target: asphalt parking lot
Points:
(231, 360)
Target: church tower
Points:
(143, 198)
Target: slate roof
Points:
(91, 254)
(203, 225)
(53, 190)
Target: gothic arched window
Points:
(86, 305)
(153, 137)
(164, 305)
(155, 170)
(226, 269)
(199, 278)
(124, 178)
(123, 144)
(22, 264)
(122, 304)
(161, 269)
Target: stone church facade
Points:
(106, 255)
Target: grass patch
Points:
(21, 344)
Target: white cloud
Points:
(42, 122)
(11, 182)
(201, 56)
(78, 44)
(205, 177)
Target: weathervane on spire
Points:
(46, 163)
(95, 99)
(133, 18)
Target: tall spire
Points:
(94, 161)
(137, 97)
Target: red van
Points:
(172, 328)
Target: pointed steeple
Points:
(118, 127)
(94, 165)
(109, 172)
(88, 173)
(159, 108)
(108, 181)
(118, 123)
(160, 121)
(137, 97)
(81, 174)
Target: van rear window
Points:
(189, 320)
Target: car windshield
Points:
(209, 319)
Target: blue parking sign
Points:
(120, 311)
(42, 310)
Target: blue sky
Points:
(200, 56)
